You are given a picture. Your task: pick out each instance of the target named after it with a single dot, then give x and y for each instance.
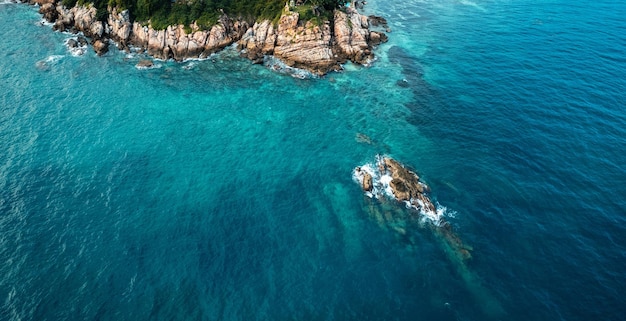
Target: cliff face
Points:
(77, 19)
(302, 44)
(174, 42)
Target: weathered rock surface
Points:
(318, 48)
(120, 26)
(352, 35)
(406, 185)
(366, 182)
(100, 47)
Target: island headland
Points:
(309, 41)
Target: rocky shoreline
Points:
(318, 48)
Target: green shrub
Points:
(69, 3)
(207, 20)
(206, 13)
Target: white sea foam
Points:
(277, 65)
(54, 59)
(190, 65)
(44, 22)
(201, 58)
(381, 188)
(7, 2)
(45, 64)
(75, 51)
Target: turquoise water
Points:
(219, 190)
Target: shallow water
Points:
(221, 190)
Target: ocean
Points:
(222, 190)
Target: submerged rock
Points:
(362, 138)
(145, 63)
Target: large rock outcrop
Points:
(77, 19)
(300, 44)
(315, 47)
(352, 35)
(120, 26)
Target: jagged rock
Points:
(258, 41)
(351, 37)
(406, 186)
(49, 11)
(405, 179)
(367, 179)
(100, 47)
(64, 20)
(377, 38)
(367, 182)
(120, 26)
(302, 44)
(42, 2)
(72, 43)
(174, 42)
(82, 41)
(97, 29)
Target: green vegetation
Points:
(206, 13)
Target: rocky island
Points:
(317, 38)
(389, 179)
(388, 183)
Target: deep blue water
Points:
(219, 190)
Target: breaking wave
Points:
(277, 65)
(381, 189)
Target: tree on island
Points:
(206, 13)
